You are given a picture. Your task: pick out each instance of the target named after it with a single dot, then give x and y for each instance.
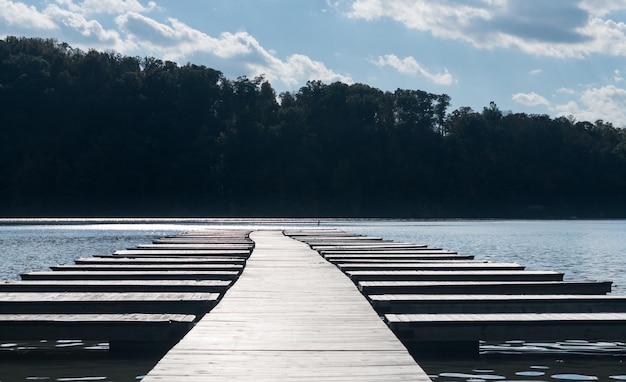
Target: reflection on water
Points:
(534, 369)
(69, 360)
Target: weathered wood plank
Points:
(460, 275)
(433, 266)
(216, 242)
(216, 286)
(385, 251)
(109, 259)
(215, 247)
(368, 246)
(411, 257)
(148, 267)
(107, 302)
(463, 303)
(485, 287)
(186, 252)
(131, 275)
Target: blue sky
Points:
(555, 57)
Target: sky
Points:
(554, 57)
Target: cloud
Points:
(607, 103)
(82, 31)
(536, 72)
(409, 65)
(566, 91)
(15, 14)
(530, 99)
(91, 7)
(295, 70)
(555, 28)
(132, 31)
(602, 7)
(177, 41)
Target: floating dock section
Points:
(137, 299)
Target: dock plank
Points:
(186, 252)
(131, 275)
(434, 256)
(109, 259)
(195, 246)
(108, 302)
(455, 275)
(486, 287)
(464, 303)
(148, 267)
(438, 266)
(217, 286)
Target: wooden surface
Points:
(116, 286)
(161, 251)
(454, 306)
(496, 303)
(291, 316)
(486, 287)
(399, 256)
(456, 275)
(193, 303)
(159, 260)
(437, 266)
(149, 267)
(131, 275)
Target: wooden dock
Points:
(292, 317)
(448, 303)
(300, 305)
(137, 300)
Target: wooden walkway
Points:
(291, 316)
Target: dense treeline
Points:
(97, 133)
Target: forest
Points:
(101, 134)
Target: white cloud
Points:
(81, 24)
(91, 7)
(20, 15)
(536, 72)
(602, 7)
(607, 103)
(530, 99)
(409, 65)
(84, 32)
(555, 28)
(296, 70)
(617, 76)
(566, 91)
(177, 41)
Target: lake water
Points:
(584, 250)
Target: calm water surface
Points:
(584, 250)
